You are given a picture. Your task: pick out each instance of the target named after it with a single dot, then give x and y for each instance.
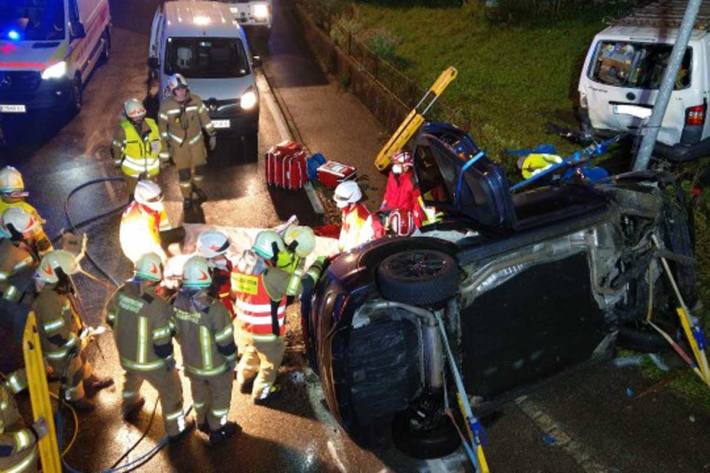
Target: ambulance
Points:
(48, 49)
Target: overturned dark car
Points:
(528, 285)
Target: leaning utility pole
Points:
(650, 133)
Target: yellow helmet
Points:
(11, 182)
(301, 240)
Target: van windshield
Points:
(637, 65)
(31, 20)
(206, 58)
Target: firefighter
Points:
(358, 225)
(181, 119)
(260, 291)
(142, 222)
(18, 258)
(18, 444)
(59, 326)
(136, 144)
(12, 195)
(213, 246)
(402, 199)
(140, 319)
(204, 331)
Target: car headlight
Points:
(55, 71)
(249, 100)
(260, 11)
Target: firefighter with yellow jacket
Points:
(182, 118)
(140, 319)
(18, 444)
(59, 327)
(136, 144)
(204, 330)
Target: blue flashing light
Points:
(13, 35)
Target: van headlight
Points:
(249, 99)
(260, 11)
(55, 71)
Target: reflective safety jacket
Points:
(141, 325)
(58, 323)
(140, 229)
(137, 152)
(402, 193)
(181, 126)
(16, 264)
(257, 301)
(358, 227)
(204, 331)
(17, 443)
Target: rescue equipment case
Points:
(286, 165)
(333, 173)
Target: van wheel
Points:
(106, 53)
(77, 95)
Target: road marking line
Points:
(579, 452)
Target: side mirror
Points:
(153, 63)
(256, 61)
(77, 30)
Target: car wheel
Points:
(418, 277)
(435, 441)
(77, 95)
(251, 147)
(106, 54)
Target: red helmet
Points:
(403, 158)
(401, 222)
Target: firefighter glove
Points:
(213, 142)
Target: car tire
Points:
(418, 277)
(77, 98)
(437, 442)
(106, 53)
(250, 145)
(643, 340)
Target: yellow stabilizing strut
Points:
(39, 395)
(415, 119)
(684, 316)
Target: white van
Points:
(255, 16)
(623, 71)
(49, 49)
(203, 42)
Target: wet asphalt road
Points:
(579, 423)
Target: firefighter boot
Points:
(227, 430)
(268, 395)
(189, 427)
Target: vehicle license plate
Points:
(12, 108)
(220, 123)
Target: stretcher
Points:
(39, 396)
(415, 119)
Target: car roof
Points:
(200, 18)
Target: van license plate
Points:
(220, 123)
(633, 110)
(13, 108)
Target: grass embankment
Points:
(512, 80)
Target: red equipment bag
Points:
(401, 222)
(333, 173)
(286, 165)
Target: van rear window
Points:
(637, 65)
(206, 58)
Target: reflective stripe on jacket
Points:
(253, 304)
(140, 155)
(358, 227)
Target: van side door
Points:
(156, 34)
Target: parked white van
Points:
(203, 42)
(623, 71)
(48, 50)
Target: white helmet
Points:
(301, 240)
(134, 109)
(196, 272)
(149, 267)
(148, 193)
(268, 244)
(52, 262)
(176, 81)
(212, 243)
(11, 182)
(347, 193)
(16, 220)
